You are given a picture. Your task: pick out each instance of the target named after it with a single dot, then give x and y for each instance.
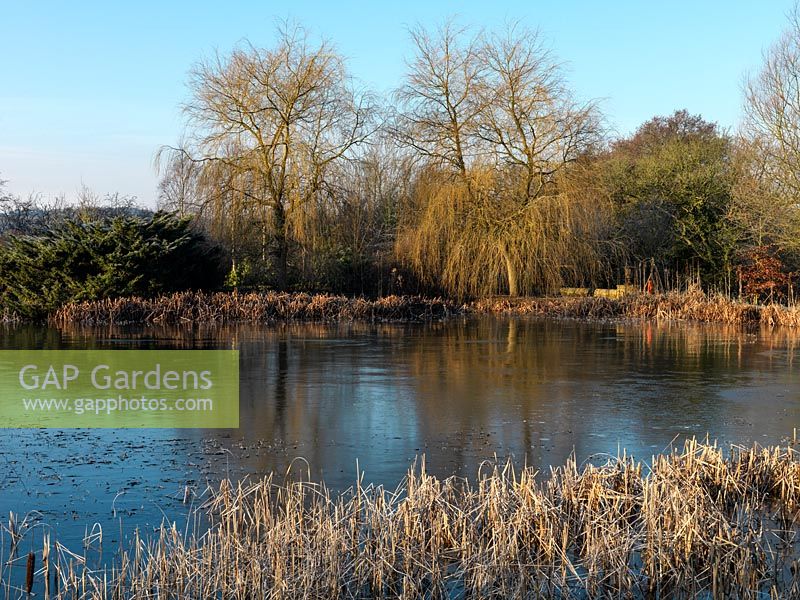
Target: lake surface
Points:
(377, 396)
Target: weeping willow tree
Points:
(270, 124)
(479, 240)
(496, 127)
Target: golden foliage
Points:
(474, 238)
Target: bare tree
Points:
(178, 186)
(361, 216)
(277, 119)
(763, 213)
(772, 110)
(441, 97)
(17, 215)
(496, 126)
(36, 214)
(530, 119)
(767, 191)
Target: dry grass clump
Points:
(693, 305)
(253, 307)
(224, 307)
(698, 522)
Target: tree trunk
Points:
(511, 272)
(281, 253)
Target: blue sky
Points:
(89, 90)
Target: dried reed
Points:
(269, 307)
(693, 305)
(697, 522)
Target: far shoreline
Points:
(274, 307)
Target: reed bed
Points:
(697, 522)
(693, 305)
(222, 307)
(267, 307)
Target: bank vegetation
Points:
(696, 522)
(274, 307)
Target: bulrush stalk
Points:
(698, 522)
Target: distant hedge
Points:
(106, 258)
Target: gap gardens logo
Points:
(121, 388)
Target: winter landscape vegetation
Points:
(490, 347)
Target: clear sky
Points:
(89, 90)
